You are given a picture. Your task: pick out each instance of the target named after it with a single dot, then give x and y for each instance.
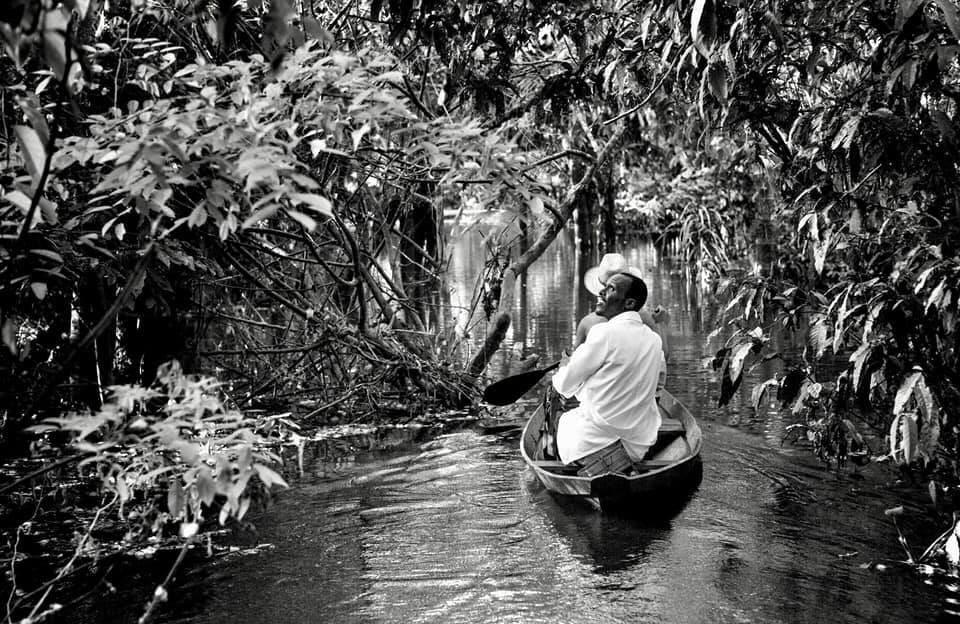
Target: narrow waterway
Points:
(455, 529)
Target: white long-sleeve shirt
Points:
(615, 375)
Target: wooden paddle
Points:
(511, 388)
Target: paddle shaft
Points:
(511, 388)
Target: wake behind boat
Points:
(609, 481)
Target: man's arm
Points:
(585, 361)
(584, 326)
(657, 321)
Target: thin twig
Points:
(40, 471)
(644, 101)
(160, 594)
(76, 555)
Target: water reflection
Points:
(609, 543)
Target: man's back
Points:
(614, 374)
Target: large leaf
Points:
(9, 335)
(269, 476)
(859, 358)
(32, 111)
(906, 391)
(817, 337)
(929, 420)
(950, 14)
(314, 202)
(820, 249)
(905, 11)
(903, 438)
(737, 358)
(759, 391)
(33, 149)
(175, 498)
(55, 23)
(703, 26)
(846, 133)
(717, 79)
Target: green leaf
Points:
(846, 133)
(740, 353)
(175, 498)
(34, 152)
(703, 26)
(820, 249)
(189, 452)
(244, 506)
(314, 202)
(31, 110)
(55, 22)
(48, 210)
(859, 359)
(905, 11)
(817, 337)
(906, 391)
(39, 290)
(206, 487)
(950, 14)
(759, 391)
(922, 278)
(269, 476)
(936, 296)
(717, 79)
(259, 215)
(9, 334)
(122, 489)
(903, 438)
(929, 421)
(18, 199)
(305, 220)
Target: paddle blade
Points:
(508, 390)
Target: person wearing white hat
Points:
(593, 281)
(615, 375)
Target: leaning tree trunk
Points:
(565, 211)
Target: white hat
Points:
(611, 264)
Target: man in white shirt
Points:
(614, 374)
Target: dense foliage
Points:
(256, 190)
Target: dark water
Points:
(455, 529)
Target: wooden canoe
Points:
(652, 483)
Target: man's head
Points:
(622, 292)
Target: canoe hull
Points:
(657, 489)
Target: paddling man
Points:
(614, 374)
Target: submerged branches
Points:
(340, 332)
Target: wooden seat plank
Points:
(671, 425)
(556, 466)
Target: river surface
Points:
(456, 529)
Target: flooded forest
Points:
(259, 260)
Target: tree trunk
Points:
(608, 202)
(565, 210)
(419, 246)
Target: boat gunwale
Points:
(552, 476)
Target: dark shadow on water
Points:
(611, 541)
